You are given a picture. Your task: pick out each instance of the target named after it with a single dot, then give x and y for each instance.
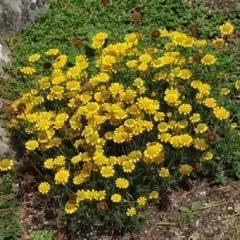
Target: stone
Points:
(5, 148)
(14, 14)
(237, 207)
(4, 55)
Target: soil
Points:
(217, 219)
(221, 4)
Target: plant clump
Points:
(115, 129)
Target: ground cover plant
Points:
(9, 224)
(111, 130)
(70, 20)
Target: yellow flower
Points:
(182, 124)
(134, 156)
(172, 96)
(131, 212)
(204, 89)
(49, 163)
(91, 194)
(34, 58)
(31, 145)
(116, 198)
(132, 63)
(52, 52)
(201, 128)
(208, 59)
(221, 113)
(76, 159)
(237, 84)
(196, 117)
(196, 84)
(120, 136)
(101, 195)
(44, 187)
(226, 29)
(218, 42)
(210, 102)
(122, 183)
(153, 195)
(6, 164)
(80, 195)
(222, 75)
(92, 108)
(148, 105)
(225, 91)
(60, 61)
(79, 179)
(97, 44)
(207, 156)
(73, 85)
(101, 36)
(28, 70)
(128, 166)
(62, 176)
(107, 171)
(130, 123)
(233, 125)
(200, 43)
(145, 58)
(185, 169)
(186, 140)
(116, 88)
(153, 150)
(185, 74)
(164, 137)
(200, 144)
(185, 109)
(131, 37)
(142, 201)
(108, 60)
(70, 207)
(138, 82)
(163, 127)
(59, 160)
(163, 172)
(159, 116)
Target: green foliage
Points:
(190, 212)
(42, 235)
(67, 19)
(9, 224)
(220, 178)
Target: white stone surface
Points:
(4, 53)
(14, 14)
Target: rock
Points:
(5, 148)
(4, 56)
(237, 207)
(194, 236)
(14, 14)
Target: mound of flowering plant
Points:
(115, 129)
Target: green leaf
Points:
(196, 205)
(7, 189)
(184, 209)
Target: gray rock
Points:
(5, 147)
(237, 207)
(4, 55)
(14, 14)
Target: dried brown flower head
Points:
(155, 33)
